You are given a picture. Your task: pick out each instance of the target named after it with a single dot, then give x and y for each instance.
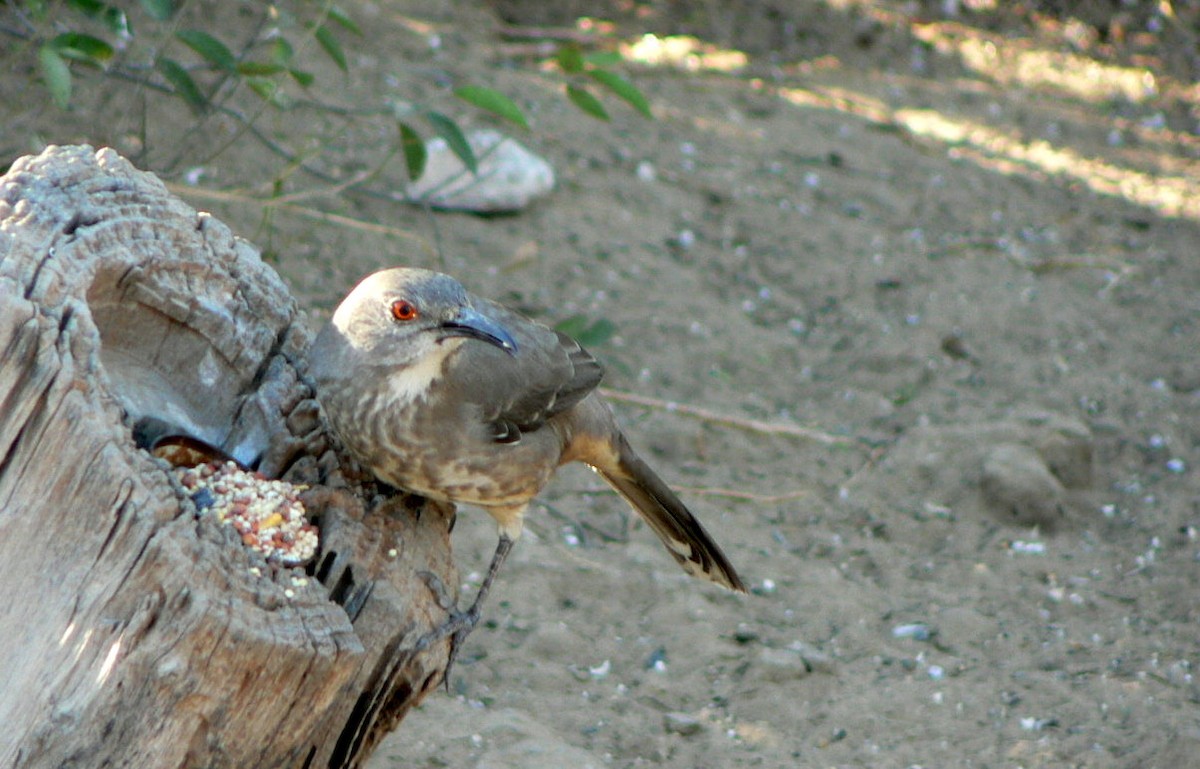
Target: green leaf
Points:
(339, 17)
(570, 57)
(74, 45)
(159, 10)
(184, 86)
(587, 332)
(572, 326)
(264, 87)
(281, 51)
(258, 68)
(622, 88)
(585, 101)
(458, 144)
(89, 8)
(305, 79)
(56, 75)
(598, 333)
(117, 22)
(603, 58)
(492, 101)
(209, 48)
(331, 47)
(415, 154)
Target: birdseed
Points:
(268, 514)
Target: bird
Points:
(460, 399)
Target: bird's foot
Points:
(458, 624)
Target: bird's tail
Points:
(686, 540)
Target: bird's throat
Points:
(412, 383)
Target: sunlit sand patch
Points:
(1021, 62)
(1006, 152)
(684, 52)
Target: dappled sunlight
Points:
(842, 100)
(1108, 135)
(1006, 152)
(1019, 61)
(1137, 159)
(683, 52)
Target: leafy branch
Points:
(203, 71)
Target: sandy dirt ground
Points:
(941, 274)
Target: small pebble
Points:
(744, 634)
(682, 724)
(916, 631)
(1038, 724)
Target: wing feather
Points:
(549, 374)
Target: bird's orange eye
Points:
(402, 309)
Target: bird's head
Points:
(401, 315)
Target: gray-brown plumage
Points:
(459, 399)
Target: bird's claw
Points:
(438, 588)
(457, 626)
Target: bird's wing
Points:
(549, 373)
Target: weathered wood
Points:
(133, 630)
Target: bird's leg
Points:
(461, 623)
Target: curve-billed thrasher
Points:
(459, 399)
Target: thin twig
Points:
(336, 189)
(713, 491)
(227, 196)
(572, 34)
(752, 425)
(246, 125)
(748, 496)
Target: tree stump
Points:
(135, 629)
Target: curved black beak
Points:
(475, 325)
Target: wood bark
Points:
(136, 630)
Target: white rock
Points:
(509, 176)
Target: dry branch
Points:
(751, 425)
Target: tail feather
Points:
(686, 540)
